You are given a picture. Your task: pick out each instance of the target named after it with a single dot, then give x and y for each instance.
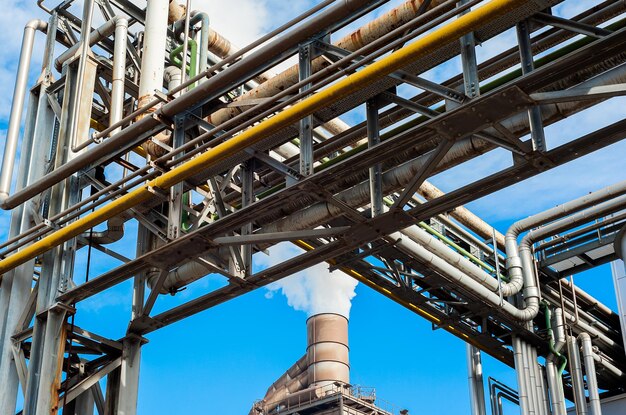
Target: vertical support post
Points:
(469, 62)
(247, 198)
(475, 379)
(375, 172)
(129, 375)
(306, 124)
(534, 114)
(126, 379)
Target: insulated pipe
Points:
(85, 31)
(153, 65)
(514, 263)
(475, 380)
(327, 350)
(590, 372)
(188, 272)
(454, 275)
(462, 214)
(352, 42)
(577, 376)
(17, 105)
(153, 58)
(559, 329)
(522, 386)
(554, 379)
(119, 72)
(420, 48)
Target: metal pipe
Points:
(518, 359)
(216, 82)
(85, 30)
(515, 258)
(462, 214)
(590, 372)
(554, 378)
(351, 42)
(205, 35)
(17, 106)
(119, 72)
(577, 376)
(153, 58)
(475, 380)
(421, 47)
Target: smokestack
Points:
(327, 350)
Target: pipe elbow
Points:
(3, 198)
(36, 24)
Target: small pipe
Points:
(203, 19)
(19, 93)
(590, 372)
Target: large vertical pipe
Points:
(577, 376)
(590, 372)
(522, 387)
(619, 279)
(153, 58)
(327, 350)
(119, 72)
(15, 119)
(475, 379)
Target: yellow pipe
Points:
(429, 43)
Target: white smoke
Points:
(314, 290)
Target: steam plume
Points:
(314, 290)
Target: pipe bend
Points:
(37, 24)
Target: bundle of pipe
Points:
(352, 42)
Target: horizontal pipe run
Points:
(216, 85)
(420, 48)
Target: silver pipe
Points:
(85, 31)
(183, 60)
(17, 106)
(530, 381)
(518, 357)
(577, 376)
(556, 401)
(514, 263)
(153, 58)
(119, 72)
(590, 371)
(475, 380)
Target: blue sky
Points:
(222, 360)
